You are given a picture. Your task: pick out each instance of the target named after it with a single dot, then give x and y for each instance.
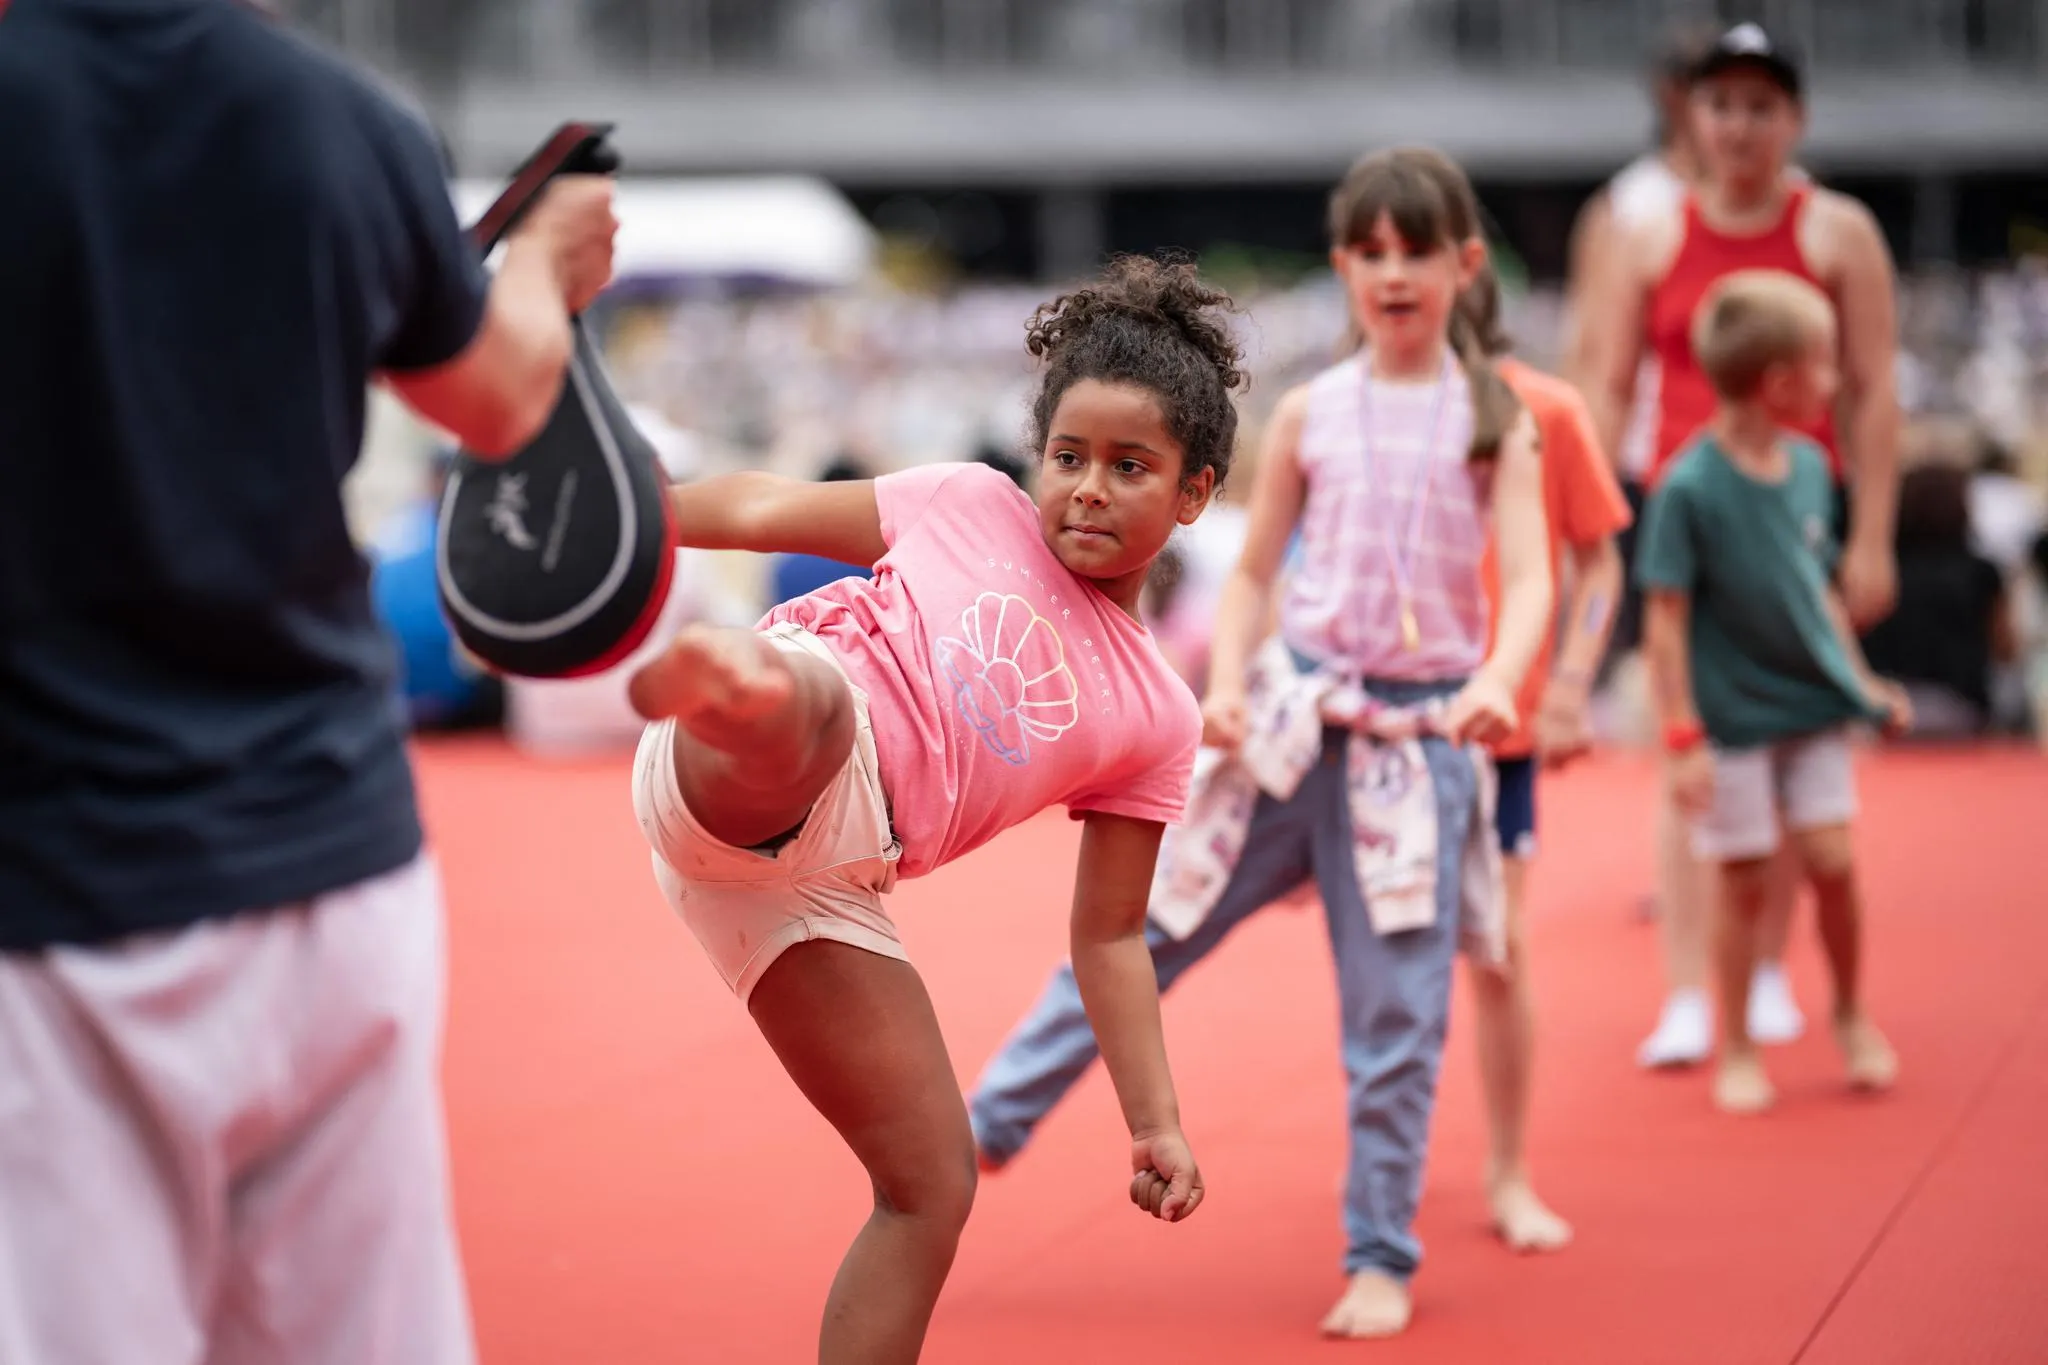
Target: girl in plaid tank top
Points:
(1394, 466)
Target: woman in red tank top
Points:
(1707, 254)
(1753, 210)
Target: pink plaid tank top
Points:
(1391, 498)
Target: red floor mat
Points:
(638, 1183)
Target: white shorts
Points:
(222, 1145)
(1800, 784)
(747, 906)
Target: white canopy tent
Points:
(790, 230)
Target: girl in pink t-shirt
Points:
(992, 667)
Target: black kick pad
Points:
(556, 563)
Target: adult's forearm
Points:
(1873, 467)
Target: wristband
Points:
(1684, 737)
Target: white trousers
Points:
(224, 1145)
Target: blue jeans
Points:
(1394, 994)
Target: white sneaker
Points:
(1774, 1016)
(1684, 1035)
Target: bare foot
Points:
(1374, 1305)
(1524, 1221)
(1872, 1063)
(1741, 1086)
(725, 677)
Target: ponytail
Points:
(1495, 408)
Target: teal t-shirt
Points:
(1755, 559)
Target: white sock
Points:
(1684, 1033)
(1774, 1016)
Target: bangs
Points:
(1412, 199)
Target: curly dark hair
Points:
(1153, 324)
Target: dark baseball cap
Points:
(1748, 47)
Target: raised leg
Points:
(760, 731)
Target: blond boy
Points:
(1757, 673)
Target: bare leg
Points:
(1774, 1015)
(1781, 898)
(1504, 1010)
(1741, 1085)
(1685, 895)
(760, 732)
(857, 1034)
(1871, 1062)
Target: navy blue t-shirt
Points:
(213, 236)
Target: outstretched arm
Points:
(1119, 986)
(770, 514)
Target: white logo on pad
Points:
(506, 512)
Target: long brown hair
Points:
(1431, 204)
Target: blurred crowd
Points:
(865, 381)
(897, 377)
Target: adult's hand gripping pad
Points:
(557, 562)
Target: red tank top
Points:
(1685, 400)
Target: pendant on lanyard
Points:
(1411, 630)
(1411, 625)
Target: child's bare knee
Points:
(1827, 854)
(1745, 883)
(940, 1193)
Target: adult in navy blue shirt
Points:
(220, 938)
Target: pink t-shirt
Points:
(998, 683)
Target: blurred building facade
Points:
(1030, 135)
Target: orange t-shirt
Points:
(1582, 503)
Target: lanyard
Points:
(1400, 560)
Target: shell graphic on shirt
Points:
(1010, 677)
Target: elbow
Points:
(1105, 926)
(516, 383)
(531, 403)
(514, 421)
(1601, 566)
(1660, 628)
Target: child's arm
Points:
(770, 514)
(1667, 619)
(1884, 699)
(1244, 605)
(1119, 986)
(1483, 712)
(1522, 537)
(1589, 618)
